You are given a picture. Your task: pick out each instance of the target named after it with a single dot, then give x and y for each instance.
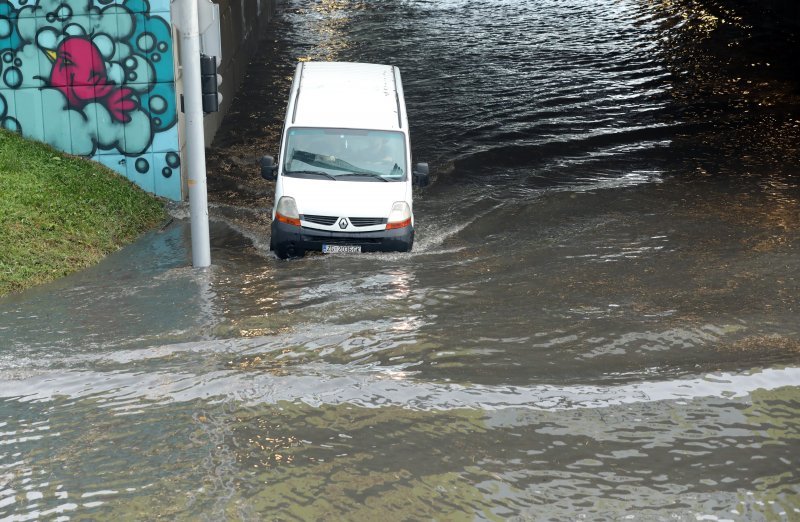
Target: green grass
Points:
(60, 213)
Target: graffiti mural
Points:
(94, 78)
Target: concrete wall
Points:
(96, 79)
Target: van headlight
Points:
(400, 216)
(286, 211)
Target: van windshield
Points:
(345, 154)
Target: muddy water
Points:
(599, 319)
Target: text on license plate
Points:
(341, 249)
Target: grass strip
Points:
(61, 213)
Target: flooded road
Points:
(600, 318)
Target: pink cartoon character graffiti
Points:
(79, 72)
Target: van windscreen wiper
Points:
(303, 173)
(364, 174)
(329, 162)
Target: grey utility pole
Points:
(186, 19)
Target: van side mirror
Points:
(268, 168)
(421, 176)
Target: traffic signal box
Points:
(210, 81)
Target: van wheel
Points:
(288, 252)
(410, 242)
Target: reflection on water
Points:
(599, 318)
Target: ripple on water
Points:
(687, 454)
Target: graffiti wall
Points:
(94, 78)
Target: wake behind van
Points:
(343, 176)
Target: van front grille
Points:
(319, 220)
(366, 221)
(330, 220)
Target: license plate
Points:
(341, 249)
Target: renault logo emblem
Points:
(343, 223)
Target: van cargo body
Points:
(344, 180)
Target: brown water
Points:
(600, 319)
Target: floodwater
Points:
(600, 319)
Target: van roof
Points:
(348, 95)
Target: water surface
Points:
(599, 318)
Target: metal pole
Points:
(195, 138)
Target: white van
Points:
(342, 178)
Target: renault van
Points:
(343, 180)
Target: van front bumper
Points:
(290, 240)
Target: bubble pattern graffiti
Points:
(94, 78)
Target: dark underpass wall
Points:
(243, 23)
